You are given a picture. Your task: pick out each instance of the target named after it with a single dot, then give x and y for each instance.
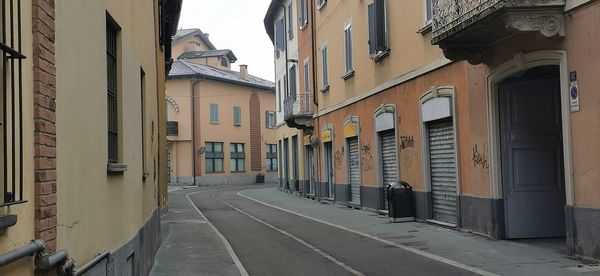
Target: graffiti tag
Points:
(480, 159)
(407, 142)
(366, 158)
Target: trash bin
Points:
(400, 202)
(260, 178)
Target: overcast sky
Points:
(236, 25)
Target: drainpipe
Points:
(193, 100)
(43, 261)
(315, 94)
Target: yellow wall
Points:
(113, 207)
(283, 132)
(409, 49)
(22, 232)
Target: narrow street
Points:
(263, 240)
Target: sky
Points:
(236, 25)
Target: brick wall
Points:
(255, 134)
(44, 91)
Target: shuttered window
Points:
(377, 28)
(270, 119)
(442, 156)
(290, 21)
(279, 95)
(214, 113)
(325, 67)
(213, 153)
(428, 11)
(348, 48)
(237, 116)
(354, 169)
(238, 157)
(279, 37)
(303, 21)
(112, 31)
(292, 79)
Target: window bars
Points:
(12, 102)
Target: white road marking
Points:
(232, 254)
(313, 248)
(407, 248)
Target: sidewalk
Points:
(189, 246)
(501, 257)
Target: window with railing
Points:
(11, 83)
(112, 30)
(213, 153)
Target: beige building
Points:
(486, 108)
(84, 153)
(221, 123)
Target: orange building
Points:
(221, 123)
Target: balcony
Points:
(297, 111)
(465, 29)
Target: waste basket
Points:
(400, 202)
(260, 178)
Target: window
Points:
(112, 31)
(377, 29)
(143, 119)
(224, 62)
(214, 113)
(321, 3)
(303, 21)
(279, 37)
(290, 22)
(348, 49)
(325, 68)
(279, 95)
(237, 116)
(428, 11)
(285, 86)
(271, 157)
(306, 86)
(237, 157)
(293, 84)
(11, 83)
(270, 119)
(213, 152)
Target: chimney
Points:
(244, 71)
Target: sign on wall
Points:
(574, 92)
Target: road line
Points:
(232, 254)
(407, 248)
(312, 247)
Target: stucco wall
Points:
(112, 207)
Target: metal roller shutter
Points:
(388, 161)
(354, 168)
(442, 171)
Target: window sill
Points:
(236, 125)
(380, 55)
(214, 172)
(238, 171)
(7, 221)
(325, 88)
(426, 29)
(214, 123)
(348, 75)
(116, 168)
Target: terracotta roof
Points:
(183, 69)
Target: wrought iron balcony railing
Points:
(297, 110)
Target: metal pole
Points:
(35, 246)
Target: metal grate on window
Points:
(112, 31)
(12, 102)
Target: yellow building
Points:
(221, 123)
(83, 129)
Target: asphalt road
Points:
(268, 241)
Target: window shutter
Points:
(237, 116)
(214, 113)
(380, 25)
(372, 36)
(267, 122)
(290, 21)
(325, 68)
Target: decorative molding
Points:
(548, 24)
(173, 103)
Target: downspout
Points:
(193, 100)
(44, 261)
(315, 93)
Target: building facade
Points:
(475, 104)
(84, 165)
(222, 122)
